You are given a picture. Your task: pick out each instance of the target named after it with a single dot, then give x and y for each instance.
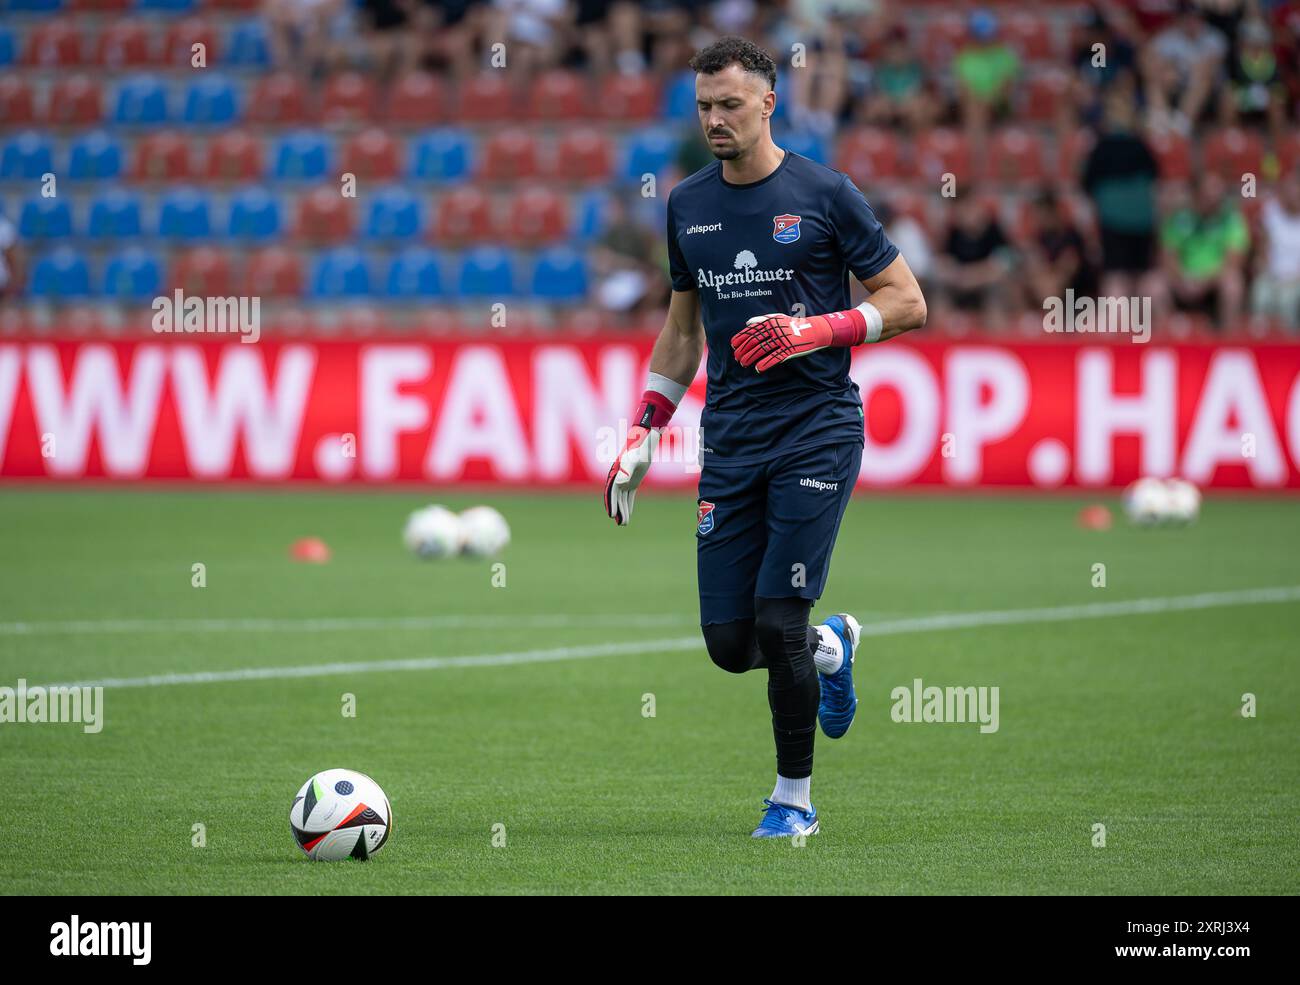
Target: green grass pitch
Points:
(1130, 721)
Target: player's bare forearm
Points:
(680, 345)
(897, 296)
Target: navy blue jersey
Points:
(791, 239)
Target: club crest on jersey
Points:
(785, 228)
(704, 517)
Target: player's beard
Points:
(727, 152)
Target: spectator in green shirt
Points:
(985, 70)
(1203, 253)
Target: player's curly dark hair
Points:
(733, 50)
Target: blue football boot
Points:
(780, 821)
(839, 702)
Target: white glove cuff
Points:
(671, 389)
(875, 324)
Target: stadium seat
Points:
(26, 155)
(17, 106)
(124, 44)
(99, 6)
(1029, 34)
(274, 272)
(629, 97)
(95, 156)
(278, 99)
(560, 276)
(340, 273)
(162, 156)
(235, 155)
(8, 47)
(414, 274)
(486, 273)
(558, 95)
(679, 98)
(584, 154)
(440, 155)
(1288, 152)
(1173, 154)
(537, 215)
(647, 152)
(134, 274)
(203, 272)
(591, 215)
(141, 101)
(349, 99)
(254, 214)
(509, 155)
(485, 98)
(301, 155)
(1044, 93)
(1071, 152)
(325, 216)
(373, 154)
(75, 101)
(247, 45)
(1015, 155)
(394, 213)
(185, 214)
(211, 100)
(183, 35)
(416, 99)
(943, 151)
(60, 275)
(35, 6)
(114, 214)
(235, 5)
(806, 144)
(166, 6)
(1233, 152)
(464, 215)
(868, 156)
(53, 44)
(941, 38)
(45, 218)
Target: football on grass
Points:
(432, 532)
(484, 531)
(340, 814)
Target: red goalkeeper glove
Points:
(767, 340)
(633, 462)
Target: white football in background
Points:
(432, 532)
(1184, 501)
(1146, 502)
(484, 531)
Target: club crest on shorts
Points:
(785, 228)
(704, 517)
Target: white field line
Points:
(334, 625)
(896, 627)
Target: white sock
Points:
(830, 651)
(793, 793)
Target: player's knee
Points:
(731, 645)
(781, 629)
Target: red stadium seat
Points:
(205, 272)
(486, 98)
(75, 101)
(233, 156)
(1030, 34)
(867, 156)
(273, 273)
(943, 151)
(245, 5)
(124, 44)
(629, 97)
(1288, 152)
(1044, 93)
(1233, 152)
(278, 99)
(417, 99)
(558, 95)
(941, 38)
(16, 102)
(349, 99)
(99, 6)
(464, 215)
(538, 215)
(1173, 154)
(372, 153)
(53, 43)
(325, 216)
(584, 155)
(163, 156)
(1071, 151)
(1015, 155)
(509, 155)
(178, 45)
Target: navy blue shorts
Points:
(767, 530)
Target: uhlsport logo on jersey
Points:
(704, 517)
(785, 228)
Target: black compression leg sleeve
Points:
(733, 645)
(788, 642)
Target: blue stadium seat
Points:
(591, 215)
(679, 97)
(560, 275)
(95, 156)
(167, 6)
(254, 214)
(185, 214)
(114, 214)
(441, 155)
(7, 46)
(133, 275)
(247, 46)
(647, 152)
(394, 213)
(141, 101)
(301, 155)
(45, 218)
(60, 275)
(810, 145)
(486, 272)
(415, 273)
(211, 100)
(35, 6)
(26, 155)
(340, 273)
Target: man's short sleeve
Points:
(678, 272)
(861, 238)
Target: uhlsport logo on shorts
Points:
(785, 228)
(704, 517)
